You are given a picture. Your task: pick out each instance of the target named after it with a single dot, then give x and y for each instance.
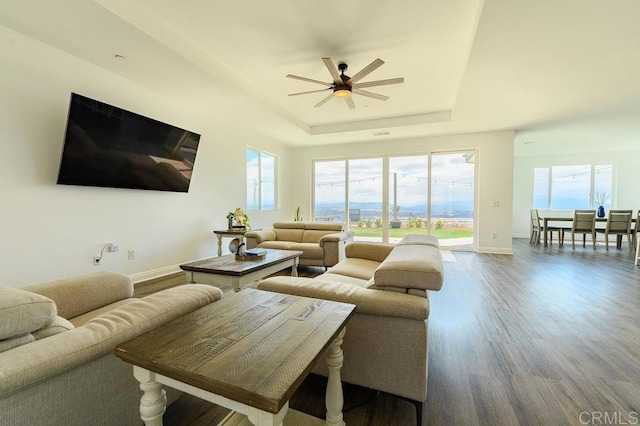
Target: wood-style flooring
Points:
(548, 336)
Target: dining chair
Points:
(618, 224)
(634, 236)
(537, 228)
(584, 222)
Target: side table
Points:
(230, 233)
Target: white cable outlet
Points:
(132, 254)
(96, 260)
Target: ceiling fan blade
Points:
(349, 101)
(310, 91)
(333, 70)
(365, 71)
(324, 101)
(310, 80)
(369, 94)
(379, 82)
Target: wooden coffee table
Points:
(248, 352)
(226, 271)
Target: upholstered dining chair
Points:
(618, 224)
(537, 228)
(584, 222)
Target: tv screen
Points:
(108, 146)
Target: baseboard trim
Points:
(154, 273)
(495, 250)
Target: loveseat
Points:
(322, 243)
(57, 365)
(385, 346)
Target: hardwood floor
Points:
(548, 336)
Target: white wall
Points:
(51, 231)
(625, 177)
(495, 174)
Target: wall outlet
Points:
(496, 204)
(131, 254)
(96, 260)
(494, 235)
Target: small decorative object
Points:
(297, 217)
(230, 220)
(599, 199)
(234, 245)
(251, 254)
(240, 218)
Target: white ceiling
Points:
(558, 72)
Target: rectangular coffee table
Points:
(248, 352)
(226, 271)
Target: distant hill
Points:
(368, 209)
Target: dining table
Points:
(547, 219)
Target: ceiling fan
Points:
(344, 86)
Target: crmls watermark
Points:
(609, 418)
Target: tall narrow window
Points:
(329, 191)
(602, 185)
(261, 180)
(541, 188)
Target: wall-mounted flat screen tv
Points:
(108, 146)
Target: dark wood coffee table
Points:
(248, 352)
(226, 271)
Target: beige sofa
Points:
(385, 346)
(57, 365)
(322, 243)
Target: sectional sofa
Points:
(386, 342)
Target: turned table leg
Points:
(219, 245)
(154, 400)
(334, 399)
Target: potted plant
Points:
(297, 217)
(238, 218)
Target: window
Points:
(571, 187)
(261, 181)
(330, 192)
(385, 198)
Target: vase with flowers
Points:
(238, 219)
(600, 199)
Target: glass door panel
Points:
(330, 191)
(408, 185)
(365, 198)
(453, 198)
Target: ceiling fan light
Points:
(342, 93)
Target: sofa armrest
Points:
(38, 361)
(78, 295)
(333, 247)
(367, 301)
(336, 237)
(371, 251)
(256, 237)
(411, 267)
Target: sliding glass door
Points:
(386, 198)
(408, 196)
(452, 198)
